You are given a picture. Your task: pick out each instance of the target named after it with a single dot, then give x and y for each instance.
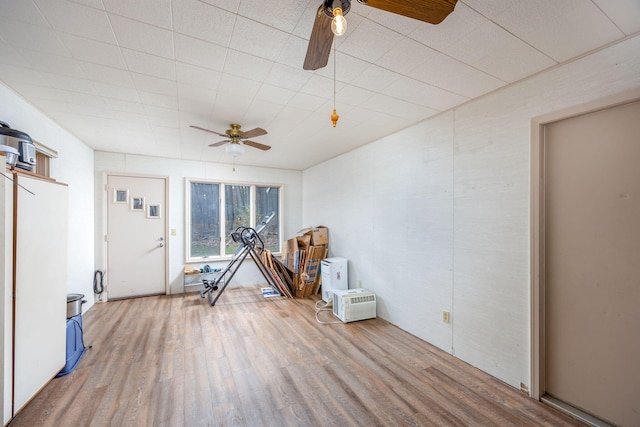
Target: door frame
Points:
(105, 220)
(537, 228)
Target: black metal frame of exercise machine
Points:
(250, 244)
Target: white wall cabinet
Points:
(37, 301)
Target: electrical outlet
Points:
(446, 316)
(359, 283)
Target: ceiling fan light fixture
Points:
(339, 22)
(235, 149)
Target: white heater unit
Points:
(354, 304)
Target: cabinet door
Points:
(41, 286)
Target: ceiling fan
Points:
(431, 11)
(237, 138)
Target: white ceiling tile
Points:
(248, 66)
(262, 112)
(155, 84)
(257, 39)
(353, 95)
(624, 13)
(558, 28)
(229, 5)
(54, 64)
(489, 9)
(77, 19)
(375, 78)
(306, 101)
(289, 115)
(405, 56)
(70, 112)
(21, 74)
(106, 74)
(369, 41)
(321, 86)
(117, 92)
(31, 37)
(73, 84)
(24, 11)
(203, 21)
(398, 108)
(96, 4)
(287, 77)
(347, 68)
(195, 99)
(392, 21)
(423, 94)
(293, 52)
(199, 53)
(230, 107)
(158, 100)
(12, 56)
(238, 86)
(197, 76)
(124, 106)
(190, 106)
(457, 25)
(307, 18)
(154, 12)
(499, 53)
(170, 115)
(142, 37)
(284, 15)
(144, 63)
(274, 94)
(93, 51)
(456, 77)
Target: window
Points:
(215, 210)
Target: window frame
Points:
(222, 215)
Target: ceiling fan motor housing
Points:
(328, 7)
(235, 131)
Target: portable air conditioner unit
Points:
(354, 304)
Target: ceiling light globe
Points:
(235, 149)
(338, 23)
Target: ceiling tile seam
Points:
(608, 17)
(50, 27)
(511, 33)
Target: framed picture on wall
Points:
(153, 211)
(137, 204)
(120, 196)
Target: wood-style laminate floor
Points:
(255, 361)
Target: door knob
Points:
(161, 238)
(160, 245)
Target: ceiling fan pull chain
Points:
(334, 115)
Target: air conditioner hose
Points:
(98, 282)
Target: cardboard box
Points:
(290, 254)
(319, 235)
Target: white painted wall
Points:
(437, 216)
(178, 171)
(74, 166)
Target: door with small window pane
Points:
(136, 244)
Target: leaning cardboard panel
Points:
(319, 235)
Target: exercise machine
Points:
(250, 245)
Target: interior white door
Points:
(592, 263)
(136, 241)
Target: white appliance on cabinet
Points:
(335, 276)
